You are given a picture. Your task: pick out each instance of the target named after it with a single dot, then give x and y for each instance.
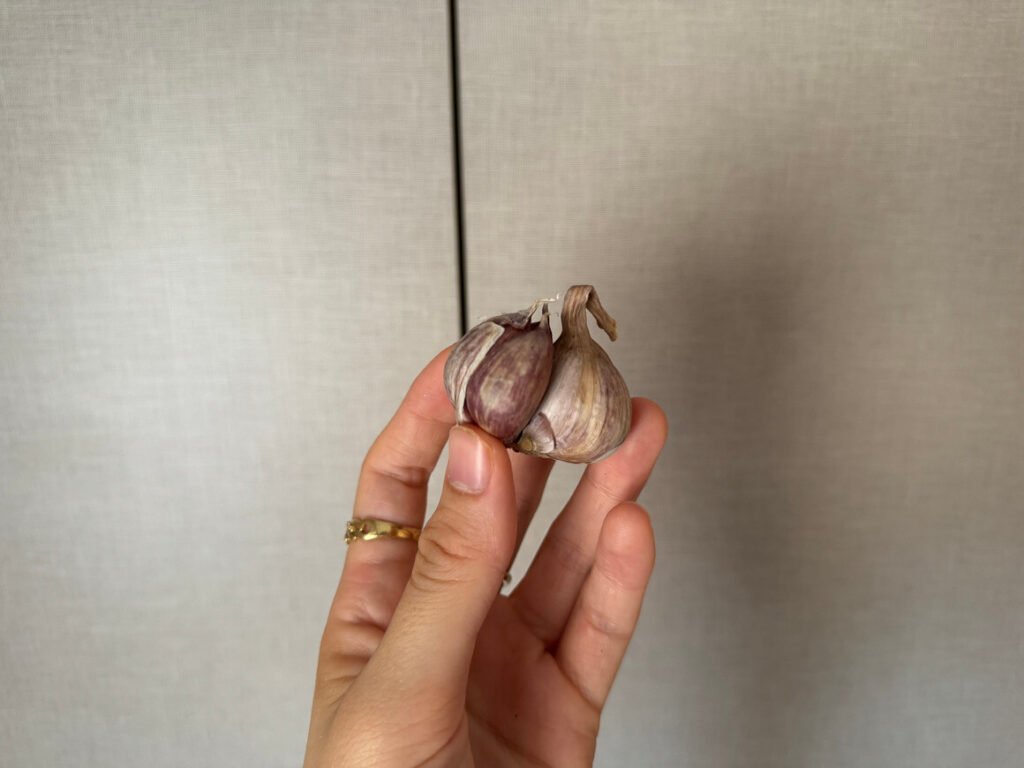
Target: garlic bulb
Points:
(586, 411)
(564, 400)
(499, 371)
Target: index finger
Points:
(394, 476)
(393, 487)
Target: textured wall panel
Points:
(807, 218)
(219, 223)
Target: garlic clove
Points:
(498, 372)
(586, 412)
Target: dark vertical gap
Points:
(460, 216)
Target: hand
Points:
(423, 662)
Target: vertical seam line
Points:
(456, 113)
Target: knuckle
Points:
(393, 462)
(606, 484)
(619, 571)
(570, 554)
(605, 623)
(446, 556)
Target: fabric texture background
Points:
(226, 248)
(808, 219)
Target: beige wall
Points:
(808, 219)
(226, 245)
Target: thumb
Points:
(462, 556)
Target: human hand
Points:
(423, 662)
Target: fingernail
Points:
(468, 467)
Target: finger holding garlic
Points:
(563, 400)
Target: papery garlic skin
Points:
(498, 372)
(587, 411)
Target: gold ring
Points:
(370, 529)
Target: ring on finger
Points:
(367, 529)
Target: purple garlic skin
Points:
(587, 411)
(498, 372)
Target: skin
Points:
(423, 662)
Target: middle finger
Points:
(547, 593)
(530, 474)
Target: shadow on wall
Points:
(743, 600)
